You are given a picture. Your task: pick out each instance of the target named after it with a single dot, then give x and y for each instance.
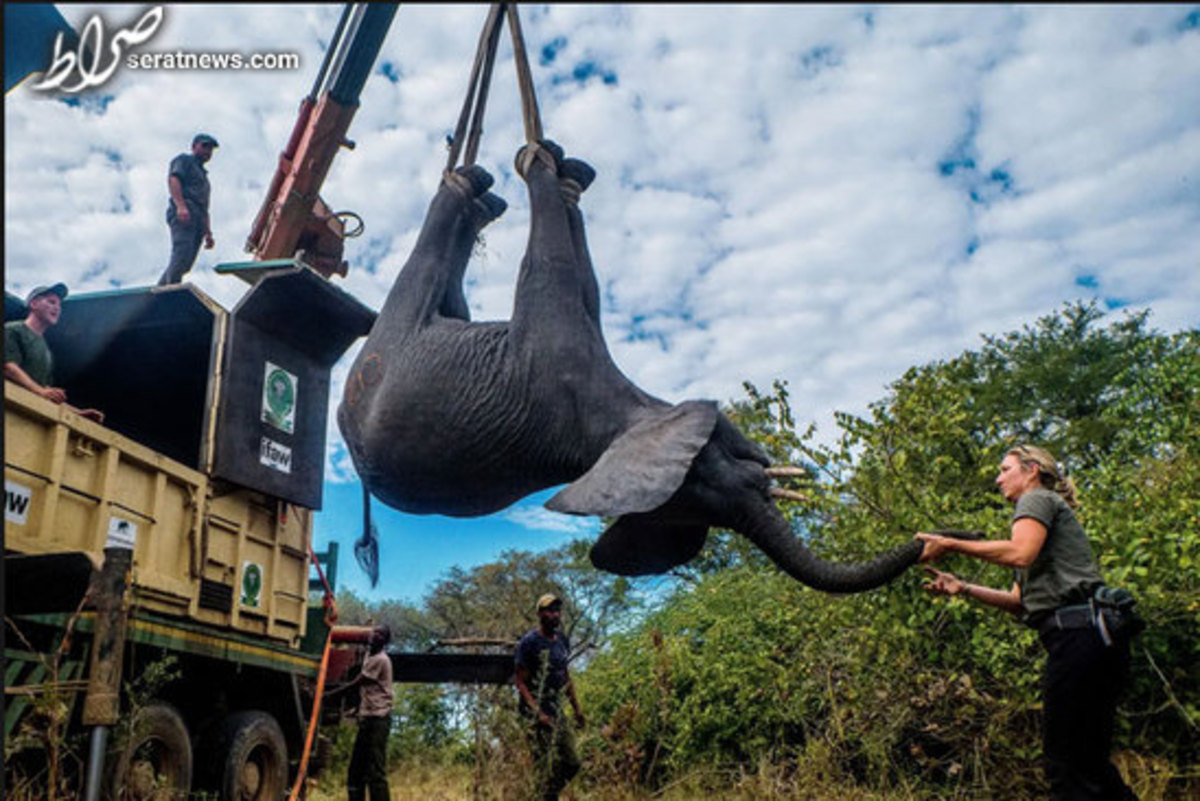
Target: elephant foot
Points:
(547, 152)
(578, 171)
(486, 208)
(469, 182)
(574, 177)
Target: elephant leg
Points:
(429, 283)
(554, 284)
(483, 210)
(574, 177)
(431, 279)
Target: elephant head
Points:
(444, 415)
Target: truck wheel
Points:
(251, 757)
(156, 763)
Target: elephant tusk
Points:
(785, 471)
(790, 495)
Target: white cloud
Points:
(783, 191)
(540, 519)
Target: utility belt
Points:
(1110, 611)
(1077, 616)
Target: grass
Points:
(455, 783)
(450, 782)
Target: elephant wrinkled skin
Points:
(444, 415)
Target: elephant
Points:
(444, 415)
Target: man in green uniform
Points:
(27, 358)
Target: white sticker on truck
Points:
(276, 456)
(121, 534)
(279, 398)
(16, 502)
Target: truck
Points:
(179, 531)
(175, 541)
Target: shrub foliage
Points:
(739, 677)
(894, 688)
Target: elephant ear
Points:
(642, 545)
(643, 467)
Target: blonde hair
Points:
(1051, 473)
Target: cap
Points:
(38, 291)
(548, 600)
(203, 137)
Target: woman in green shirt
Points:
(1056, 576)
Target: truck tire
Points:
(250, 758)
(157, 761)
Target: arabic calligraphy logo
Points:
(89, 58)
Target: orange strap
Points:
(331, 615)
(312, 723)
(330, 618)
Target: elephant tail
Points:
(366, 548)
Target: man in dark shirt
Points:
(27, 358)
(541, 678)
(187, 211)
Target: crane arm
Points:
(293, 216)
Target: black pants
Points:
(1080, 688)
(368, 761)
(185, 244)
(554, 756)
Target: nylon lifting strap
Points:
(475, 102)
(331, 617)
(529, 106)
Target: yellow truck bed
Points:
(203, 549)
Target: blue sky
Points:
(820, 194)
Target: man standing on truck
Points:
(542, 678)
(368, 761)
(187, 210)
(27, 358)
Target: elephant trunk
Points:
(774, 536)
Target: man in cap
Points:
(541, 678)
(187, 210)
(27, 358)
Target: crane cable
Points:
(331, 617)
(470, 121)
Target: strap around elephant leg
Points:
(534, 151)
(574, 177)
(469, 181)
(459, 183)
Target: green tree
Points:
(942, 693)
(496, 600)
(412, 628)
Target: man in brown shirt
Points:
(368, 762)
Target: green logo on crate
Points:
(252, 582)
(279, 398)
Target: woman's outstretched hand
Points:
(943, 583)
(935, 546)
